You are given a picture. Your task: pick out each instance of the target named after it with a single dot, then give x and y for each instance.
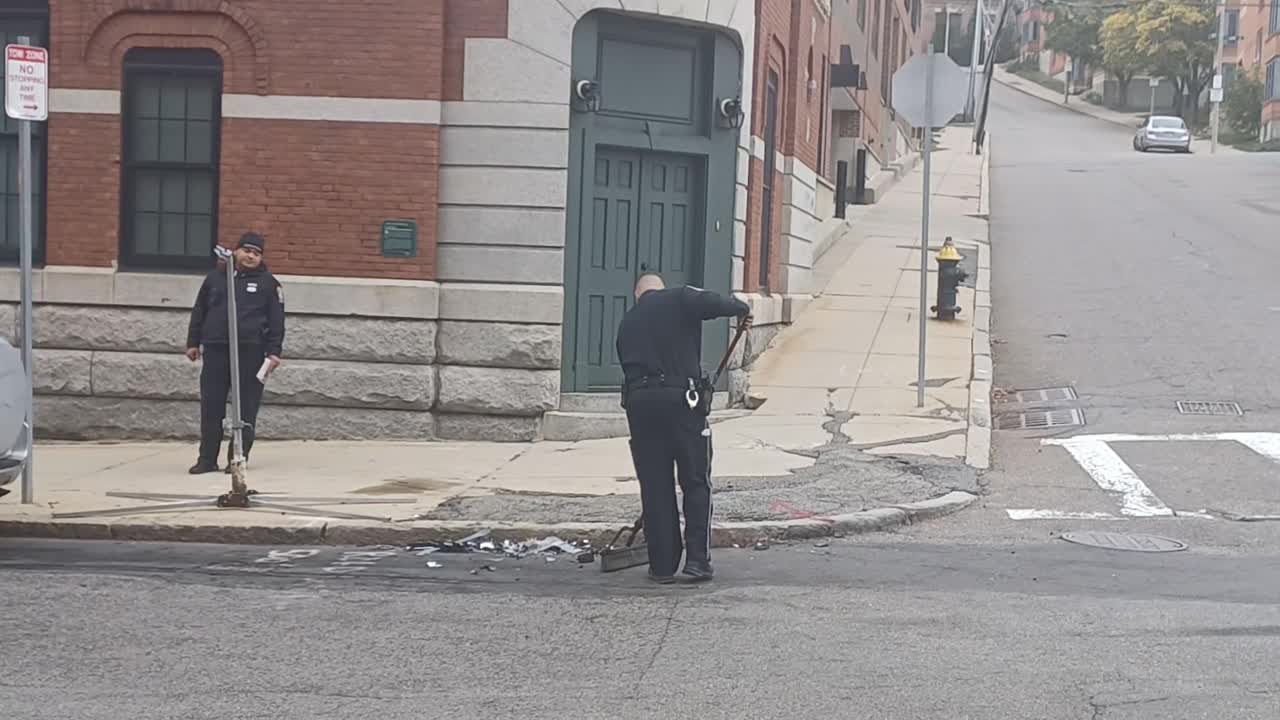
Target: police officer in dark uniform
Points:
(667, 399)
(260, 320)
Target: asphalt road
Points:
(1137, 279)
(866, 629)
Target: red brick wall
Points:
(464, 19)
(318, 190)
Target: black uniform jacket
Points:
(662, 333)
(259, 309)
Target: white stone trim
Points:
(757, 148)
(552, 116)
(505, 147)
(271, 107)
(331, 109)
(91, 102)
(765, 309)
(305, 294)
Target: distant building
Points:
(1254, 45)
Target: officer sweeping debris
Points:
(260, 320)
(667, 398)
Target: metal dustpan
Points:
(616, 557)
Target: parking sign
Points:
(26, 82)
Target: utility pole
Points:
(970, 105)
(1217, 90)
(1066, 82)
(946, 36)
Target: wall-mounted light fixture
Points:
(730, 112)
(586, 93)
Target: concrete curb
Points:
(1065, 106)
(977, 450)
(722, 534)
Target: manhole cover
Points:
(1038, 419)
(1037, 395)
(1190, 407)
(1119, 541)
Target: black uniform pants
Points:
(215, 390)
(665, 432)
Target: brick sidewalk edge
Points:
(724, 534)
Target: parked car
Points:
(13, 416)
(1163, 131)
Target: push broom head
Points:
(620, 557)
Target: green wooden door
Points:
(644, 215)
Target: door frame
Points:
(719, 74)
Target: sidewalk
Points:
(839, 447)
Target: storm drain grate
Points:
(1191, 407)
(1039, 395)
(1039, 419)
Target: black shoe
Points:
(202, 467)
(699, 570)
(662, 579)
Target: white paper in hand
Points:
(264, 370)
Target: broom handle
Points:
(742, 327)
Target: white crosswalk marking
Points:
(1111, 473)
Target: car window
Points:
(1167, 123)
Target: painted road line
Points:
(1029, 514)
(1265, 444)
(1113, 474)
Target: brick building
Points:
(1253, 39)
(457, 203)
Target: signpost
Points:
(928, 91)
(1153, 83)
(26, 99)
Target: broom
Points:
(614, 557)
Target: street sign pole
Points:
(26, 95)
(1215, 94)
(924, 228)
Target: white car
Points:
(1163, 131)
(13, 411)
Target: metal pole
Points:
(25, 225)
(946, 35)
(973, 59)
(1153, 87)
(233, 331)
(924, 226)
(1066, 83)
(1217, 73)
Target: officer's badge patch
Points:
(252, 287)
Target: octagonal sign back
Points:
(950, 90)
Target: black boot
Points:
(699, 570)
(203, 467)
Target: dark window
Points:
(18, 19)
(770, 166)
(169, 190)
(1233, 28)
(1275, 16)
(1273, 79)
(862, 13)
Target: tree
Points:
(1177, 37)
(1242, 106)
(1120, 54)
(1074, 33)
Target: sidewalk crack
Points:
(911, 440)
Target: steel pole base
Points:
(249, 500)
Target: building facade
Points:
(1256, 48)
(457, 203)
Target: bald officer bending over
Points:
(660, 349)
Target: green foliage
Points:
(1074, 32)
(1177, 39)
(1242, 105)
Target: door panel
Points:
(609, 273)
(646, 216)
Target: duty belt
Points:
(693, 388)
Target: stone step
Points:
(568, 426)
(610, 402)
